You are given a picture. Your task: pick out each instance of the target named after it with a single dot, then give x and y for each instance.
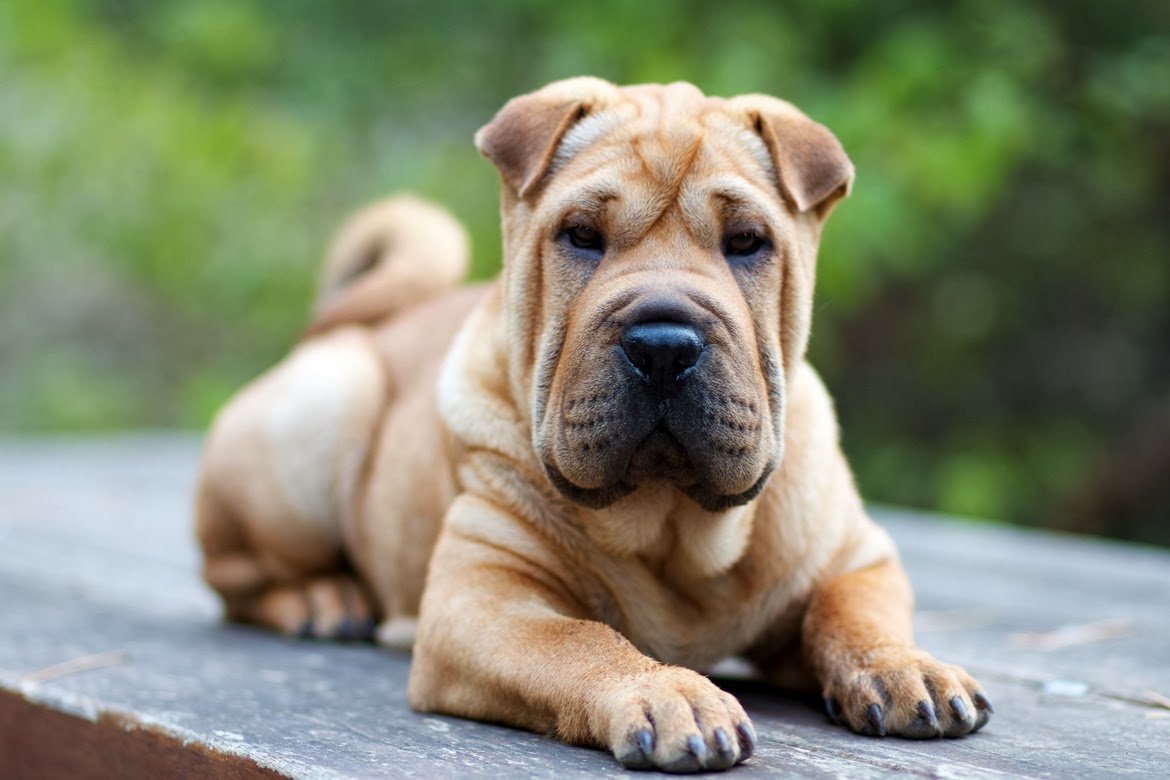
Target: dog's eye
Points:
(584, 237)
(585, 240)
(743, 244)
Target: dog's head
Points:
(660, 250)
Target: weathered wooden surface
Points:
(102, 616)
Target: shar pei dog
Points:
(575, 488)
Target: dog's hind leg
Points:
(280, 471)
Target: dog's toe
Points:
(319, 608)
(638, 750)
(925, 726)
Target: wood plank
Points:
(39, 742)
(98, 572)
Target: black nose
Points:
(662, 353)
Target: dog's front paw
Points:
(907, 693)
(676, 720)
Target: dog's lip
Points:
(721, 502)
(600, 498)
(591, 498)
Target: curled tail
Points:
(390, 255)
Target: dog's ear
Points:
(811, 165)
(523, 137)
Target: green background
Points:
(993, 310)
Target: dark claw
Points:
(833, 708)
(877, 725)
(697, 747)
(982, 702)
(306, 629)
(981, 720)
(347, 629)
(747, 738)
(722, 743)
(638, 757)
(960, 709)
(963, 722)
(724, 751)
(925, 726)
(926, 711)
(645, 741)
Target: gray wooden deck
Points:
(113, 660)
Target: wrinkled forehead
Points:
(664, 145)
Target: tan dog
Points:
(635, 473)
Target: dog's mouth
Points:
(660, 456)
(625, 416)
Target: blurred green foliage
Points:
(992, 307)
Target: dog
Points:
(573, 489)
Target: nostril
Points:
(661, 352)
(688, 352)
(636, 350)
